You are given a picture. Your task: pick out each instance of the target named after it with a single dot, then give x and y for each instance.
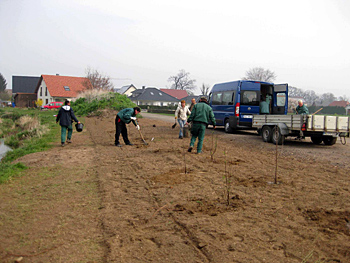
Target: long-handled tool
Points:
(317, 111)
(141, 134)
(143, 138)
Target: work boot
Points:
(62, 144)
(118, 144)
(190, 149)
(69, 141)
(130, 144)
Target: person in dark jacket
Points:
(200, 116)
(193, 102)
(66, 116)
(123, 117)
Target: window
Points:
(66, 88)
(41, 91)
(46, 101)
(160, 94)
(227, 98)
(281, 99)
(217, 98)
(249, 98)
(151, 93)
(46, 92)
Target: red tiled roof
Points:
(55, 85)
(179, 94)
(341, 103)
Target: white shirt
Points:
(181, 113)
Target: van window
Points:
(281, 99)
(217, 97)
(249, 98)
(227, 98)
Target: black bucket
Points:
(79, 127)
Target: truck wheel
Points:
(329, 140)
(277, 137)
(228, 128)
(266, 133)
(316, 139)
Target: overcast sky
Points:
(306, 43)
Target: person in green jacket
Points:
(301, 108)
(265, 104)
(200, 116)
(123, 117)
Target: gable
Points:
(126, 89)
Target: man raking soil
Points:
(123, 117)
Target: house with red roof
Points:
(176, 93)
(59, 88)
(341, 103)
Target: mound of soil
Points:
(93, 202)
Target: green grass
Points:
(26, 146)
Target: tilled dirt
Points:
(93, 202)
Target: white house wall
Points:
(154, 103)
(129, 92)
(44, 94)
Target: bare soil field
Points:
(93, 202)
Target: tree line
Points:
(183, 81)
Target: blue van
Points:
(234, 103)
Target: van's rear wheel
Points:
(329, 140)
(316, 139)
(228, 128)
(266, 133)
(277, 137)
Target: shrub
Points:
(95, 101)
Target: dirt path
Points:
(93, 202)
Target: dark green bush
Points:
(328, 110)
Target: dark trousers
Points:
(120, 128)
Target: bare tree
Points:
(260, 74)
(295, 92)
(311, 97)
(327, 98)
(344, 98)
(3, 83)
(97, 80)
(182, 81)
(205, 89)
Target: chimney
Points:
(57, 74)
(143, 87)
